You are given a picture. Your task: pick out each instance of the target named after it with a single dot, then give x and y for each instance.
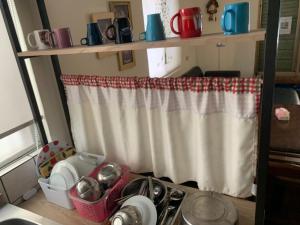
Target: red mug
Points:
(189, 22)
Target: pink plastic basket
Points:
(103, 208)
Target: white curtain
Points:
(200, 129)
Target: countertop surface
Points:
(39, 205)
(11, 212)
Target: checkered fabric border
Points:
(195, 84)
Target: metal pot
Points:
(109, 174)
(88, 189)
(134, 186)
(208, 208)
(128, 215)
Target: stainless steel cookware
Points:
(128, 215)
(208, 208)
(135, 186)
(109, 174)
(88, 189)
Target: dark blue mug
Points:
(235, 19)
(94, 36)
(155, 29)
(120, 31)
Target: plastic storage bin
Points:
(58, 195)
(103, 208)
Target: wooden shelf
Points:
(295, 79)
(256, 35)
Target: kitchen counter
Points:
(39, 205)
(13, 214)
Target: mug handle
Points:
(84, 41)
(142, 36)
(29, 40)
(107, 35)
(172, 24)
(231, 12)
(50, 36)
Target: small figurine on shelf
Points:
(212, 8)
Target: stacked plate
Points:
(63, 175)
(67, 172)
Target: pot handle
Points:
(172, 24)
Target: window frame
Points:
(14, 41)
(295, 71)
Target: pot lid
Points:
(208, 208)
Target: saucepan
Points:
(140, 186)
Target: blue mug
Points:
(155, 29)
(94, 36)
(235, 19)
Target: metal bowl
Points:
(134, 186)
(109, 174)
(88, 189)
(128, 215)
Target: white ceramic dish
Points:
(58, 180)
(62, 178)
(63, 175)
(71, 168)
(146, 208)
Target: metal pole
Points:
(56, 66)
(266, 108)
(23, 69)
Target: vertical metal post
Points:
(56, 66)
(266, 108)
(22, 68)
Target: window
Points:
(288, 42)
(162, 61)
(18, 133)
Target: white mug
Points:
(41, 39)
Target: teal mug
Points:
(236, 18)
(155, 29)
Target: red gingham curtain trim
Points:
(195, 84)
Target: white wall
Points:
(162, 61)
(167, 61)
(238, 56)
(108, 66)
(76, 14)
